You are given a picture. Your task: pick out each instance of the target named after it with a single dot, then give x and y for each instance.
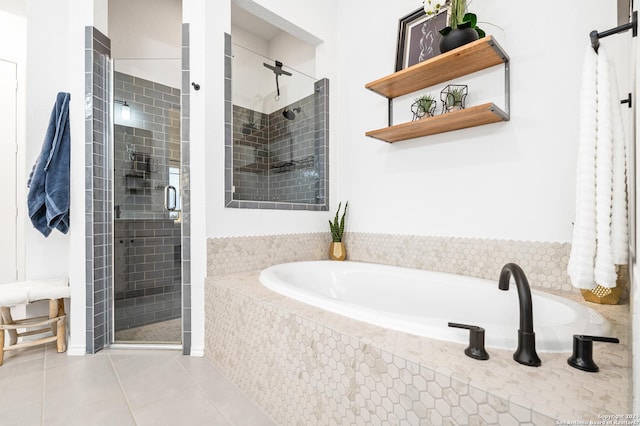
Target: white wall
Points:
(146, 39)
(55, 57)
(47, 256)
(513, 180)
(250, 86)
(13, 26)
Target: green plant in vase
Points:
(460, 18)
(423, 106)
(337, 227)
(337, 249)
(462, 28)
(453, 97)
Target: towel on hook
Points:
(600, 227)
(49, 181)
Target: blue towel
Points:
(48, 199)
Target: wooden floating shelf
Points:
(467, 59)
(475, 56)
(468, 117)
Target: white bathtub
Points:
(423, 302)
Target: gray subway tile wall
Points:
(98, 207)
(185, 182)
(146, 146)
(280, 160)
(147, 275)
(228, 131)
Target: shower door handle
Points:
(169, 200)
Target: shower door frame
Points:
(99, 197)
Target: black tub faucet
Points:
(526, 351)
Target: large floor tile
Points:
(226, 396)
(152, 378)
(120, 387)
(80, 383)
(26, 414)
(188, 408)
(21, 384)
(104, 412)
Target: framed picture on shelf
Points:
(419, 37)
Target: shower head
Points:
(290, 114)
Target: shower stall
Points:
(278, 145)
(137, 206)
(147, 203)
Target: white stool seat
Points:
(25, 292)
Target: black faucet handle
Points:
(582, 356)
(476, 341)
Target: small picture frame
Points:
(419, 37)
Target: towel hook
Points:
(627, 101)
(633, 25)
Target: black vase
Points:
(456, 38)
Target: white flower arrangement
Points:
(433, 7)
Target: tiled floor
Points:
(120, 387)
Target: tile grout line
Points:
(202, 391)
(124, 393)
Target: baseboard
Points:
(76, 350)
(197, 352)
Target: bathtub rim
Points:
(403, 323)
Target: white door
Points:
(8, 158)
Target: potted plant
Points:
(462, 28)
(453, 97)
(337, 249)
(423, 106)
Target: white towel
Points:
(619, 207)
(583, 247)
(604, 271)
(600, 229)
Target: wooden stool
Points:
(22, 293)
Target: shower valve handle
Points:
(475, 349)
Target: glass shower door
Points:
(146, 187)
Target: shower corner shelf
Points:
(257, 167)
(467, 59)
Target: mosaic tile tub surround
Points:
(544, 263)
(307, 366)
(239, 254)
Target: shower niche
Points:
(276, 143)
